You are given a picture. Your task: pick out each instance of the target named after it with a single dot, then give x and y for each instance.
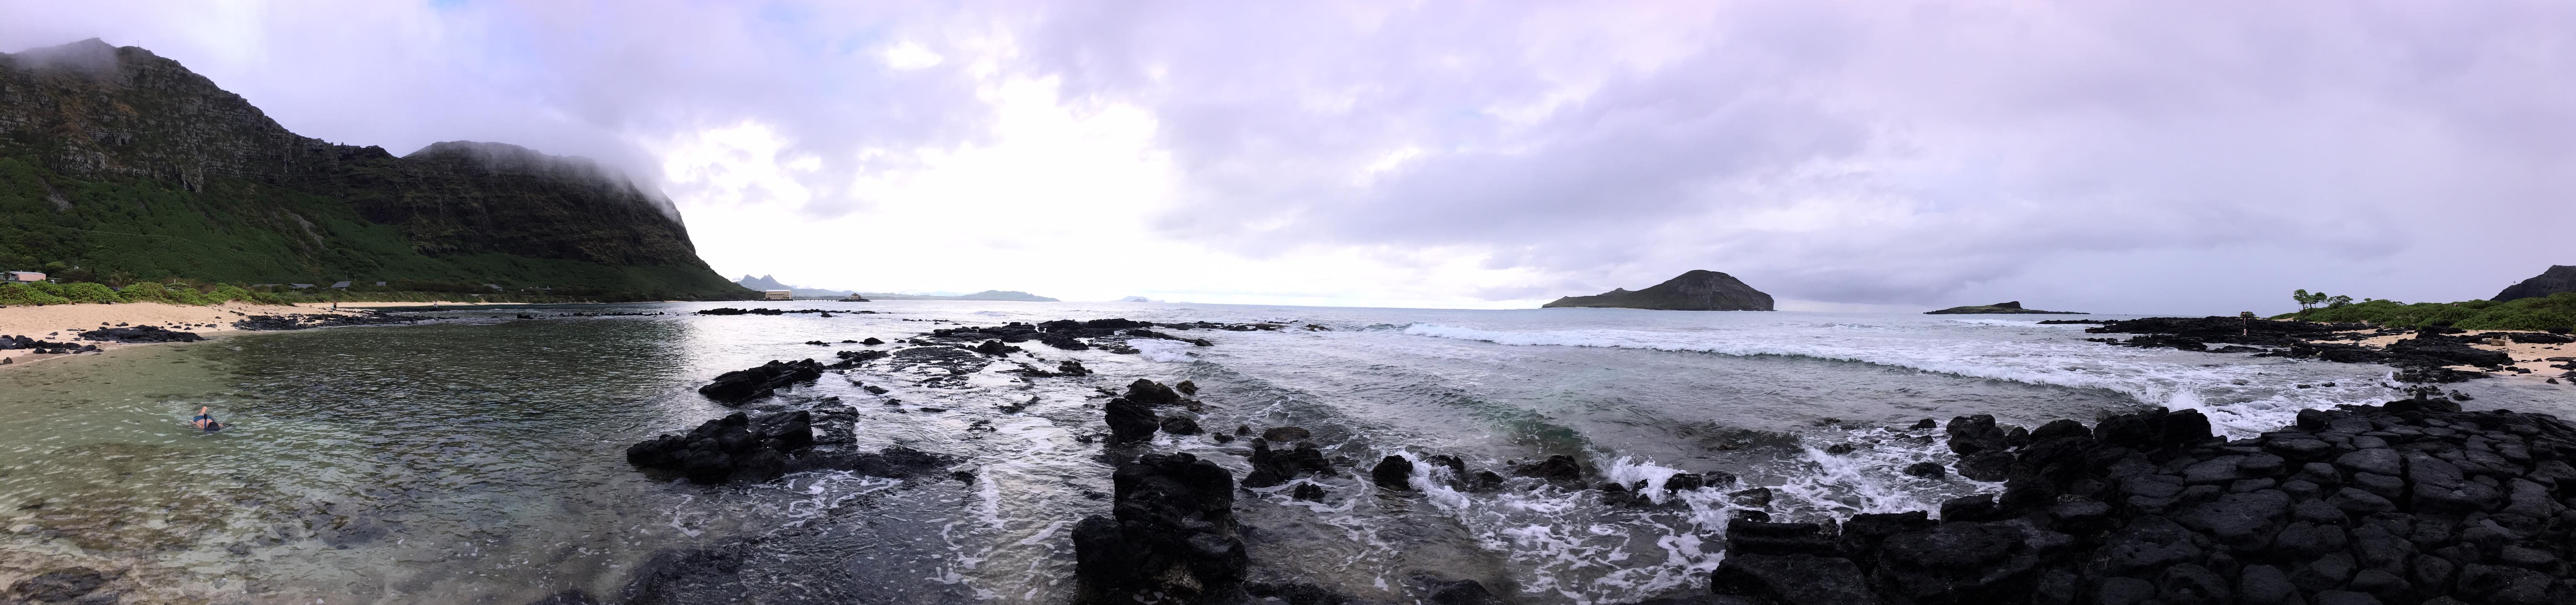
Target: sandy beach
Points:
(63, 323)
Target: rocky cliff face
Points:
(117, 149)
(1698, 290)
(2559, 278)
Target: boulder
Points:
(739, 386)
(1170, 535)
(1129, 421)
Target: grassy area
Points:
(2556, 311)
(186, 293)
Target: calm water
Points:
(481, 459)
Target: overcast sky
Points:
(2144, 157)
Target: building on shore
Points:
(21, 277)
(777, 295)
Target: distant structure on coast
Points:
(777, 295)
(21, 277)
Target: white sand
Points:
(63, 323)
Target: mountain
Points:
(1998, 308)
(1698, 290)
(2559, 278)
(1135, 299)
(1009, 295)
(123, 163)
(770, 282)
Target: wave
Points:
(2220, 390)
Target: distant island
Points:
(1698, 290)
(1998, 308)
(1135, 299)
(770, 282)
(1009, 295)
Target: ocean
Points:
(479, 458)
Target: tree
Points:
(2309, 301)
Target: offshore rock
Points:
(1271, 467)
(1393, 473)
(140, 334)
(1170, 537)
(2013, 307)
(737, 386)
(1697, 290)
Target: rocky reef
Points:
(2432, 354)
(735, 387)
(2001, 308)
(1698, 290)
(2411, 502)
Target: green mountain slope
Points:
(129, 166)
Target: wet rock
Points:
(1927, 470)
(1180, 425)
(688, 576)
(1972, 434)
(59, 586)
(1129, 421)
(1171, 534)
(1685, 482)
(1286, 434)
(1307, 491)
(1988, 465)
(1152, 394)
(1756, 497)
(1187, 387)
(1792, 579)
(1558, 467)
(140, 334)
(568, 597)
(872, 341)
(1393, 473)
(743, 385)
(1272, 467)
(1438, 591)
(733, 448)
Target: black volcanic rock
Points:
(741, 385)
(2559, 278)
(1698, 290)
(2001, 308)
(1171, 534)
(191, 160)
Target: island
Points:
(1998, 308)
(1698, 290)
(2559, 278)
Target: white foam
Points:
(2242, 399)
(1169, 351)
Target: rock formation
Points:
(2559, 278)
(2411, 502)
(1698, 290)
(1997, 308)
(220, 192)
(1170, 536)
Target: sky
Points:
(2113, 156)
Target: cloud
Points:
(2112, 156)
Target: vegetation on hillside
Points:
(2553, 312)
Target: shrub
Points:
(148, 291)
(228, 293)
(88, 293)
(2554, 311)
(23, 294)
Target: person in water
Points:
(205, 421)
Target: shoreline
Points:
(63, 323)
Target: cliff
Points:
(2559, 278)
(1698, 290)
(122, 162)
(1997, 308)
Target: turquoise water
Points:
(480, 458)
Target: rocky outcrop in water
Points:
(301, 321)
(1170, 536)
(2559, 278)
(743, 385)
(66, 585)
(2411, 502)
(43, 347)
(733, 448)
(140, 334)
(1698, 290)
(2427, 355)
(2001, 308)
